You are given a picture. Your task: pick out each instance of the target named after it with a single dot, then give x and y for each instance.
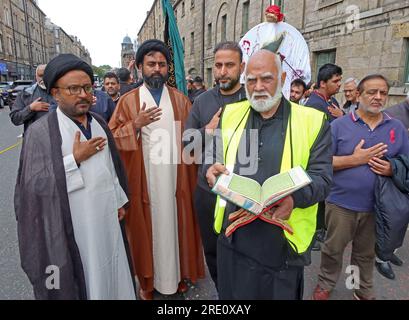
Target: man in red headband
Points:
(274, 15)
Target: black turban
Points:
(61, 65)
(149, 46)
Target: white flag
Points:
(286, 40)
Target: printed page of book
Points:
(284, 184)
(247, 201)
(249, 188)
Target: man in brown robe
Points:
(162, 227)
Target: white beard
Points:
(265, 105)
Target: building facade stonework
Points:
(58, 42)
(363, 37)
(27, 41)
(202, 24)
(22, 39)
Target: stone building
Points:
(202, 24)
(58, 41)
(363, 37)
(127, 52)
(22, 39)
(28, 38)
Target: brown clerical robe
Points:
(139, 222)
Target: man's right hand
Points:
(214, 123)
(82, 151)
(39, 106)
(215, 171)
(364, 156)
(147, 116)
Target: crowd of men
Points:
(117, 184)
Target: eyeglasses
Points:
(77, 90)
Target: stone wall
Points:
(375, 41)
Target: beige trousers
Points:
(344, 226)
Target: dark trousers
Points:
(205, 204)
(243, 278)
(321, 216)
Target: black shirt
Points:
(203, 110)
(86, 131)
(259, 240)
(256, 237)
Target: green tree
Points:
(101, 70)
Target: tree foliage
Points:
(101, 70)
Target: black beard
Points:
(229, 86)
(155, 82)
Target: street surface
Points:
(14, 284)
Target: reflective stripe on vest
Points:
(303, 129)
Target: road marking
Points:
(11, 148)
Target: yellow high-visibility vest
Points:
(303, 129)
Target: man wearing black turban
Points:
(163, 231)
(61, 65)
(70, 191)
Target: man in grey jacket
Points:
(32, 103)
(401, 112)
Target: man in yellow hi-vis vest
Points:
(262, 137)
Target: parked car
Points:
(4, 88)
(17, 87)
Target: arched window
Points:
(222, 23)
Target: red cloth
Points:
(277, 11)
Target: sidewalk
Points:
(385, 289)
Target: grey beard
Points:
(155, 82)
(262, 106)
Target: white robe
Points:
(95, 196)
(160, 158)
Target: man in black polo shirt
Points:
(204, 118)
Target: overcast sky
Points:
(101, 25)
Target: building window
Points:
(183, 9)
(279, 3)
(184, 44)
(7, 17)
(327, 3)
(192, 43)
(209, 35)
(10, 43)
(1, 42)
(192, 3)
(209, 74)
(324, 57)
(245, 18)
(176, 15)
(18, 47)
(224, 28)
(23, 22)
